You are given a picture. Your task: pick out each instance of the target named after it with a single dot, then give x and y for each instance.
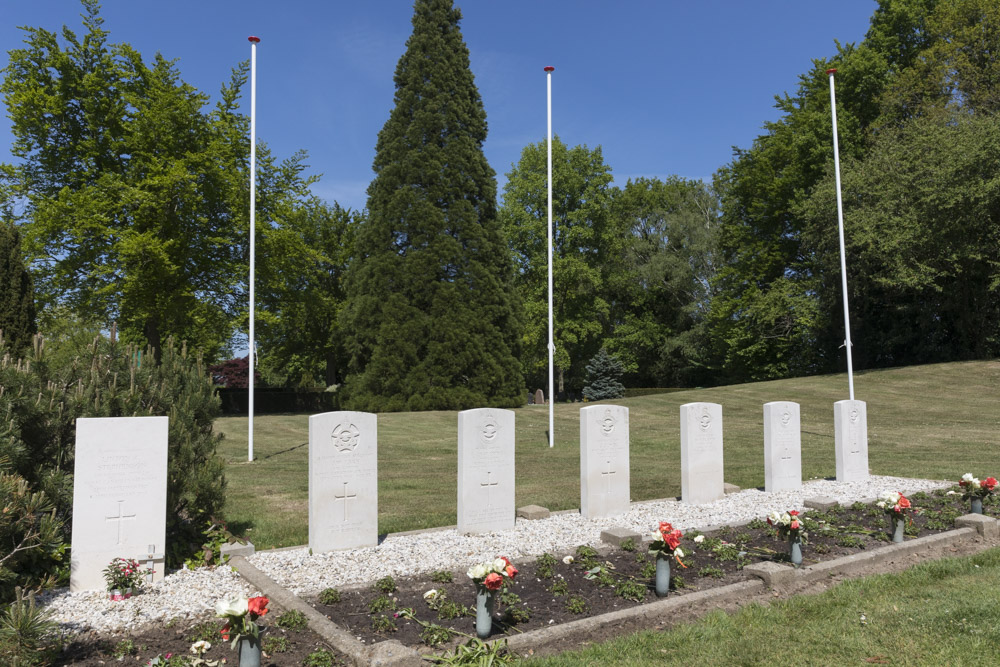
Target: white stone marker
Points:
(119, 496)
(343, 481)
(782, 446)
(485, 470)
(850, 428)
(701, 453)
(605, 483)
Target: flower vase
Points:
(117, 594)
(484, 612)
(249, 651)
(795, 549)
(662, 575)
(977, 505)
(898, 526)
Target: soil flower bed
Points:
(558, 588)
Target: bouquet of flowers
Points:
(666, 542)
(895, 503)
(241, 616)
(973, 488)
(788, 524)
(492, 576)
(124, 573)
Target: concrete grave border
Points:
(770, 576)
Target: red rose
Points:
(225, 632)
(493, 581)
(990, 483)
(672, 539)
(793, 512)
(769, 522)
(511, 571)
(794, 525)
(258, 605)
(903, 502)
(666, 527)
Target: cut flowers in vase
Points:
(494, 575)
(972, 487)
(666, 543)
(788, 523)
(241, 616)
(895, 504)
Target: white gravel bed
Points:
(186, 594)
(401, 555)
(193, 593)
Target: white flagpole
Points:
(552, 345)
(840, 223)
(252, 347)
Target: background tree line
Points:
(130, 190)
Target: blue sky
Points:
(665, 87)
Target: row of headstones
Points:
(343, 473)
(120, 474)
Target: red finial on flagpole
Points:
(253, 38)
(550, 68)
(831, 70)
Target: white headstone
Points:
(343, 481)
(701, 453)
(605, 484)
(119, 496)
(485, 470)
(850, 428)
(782, 446)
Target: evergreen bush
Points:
(604, 374)
(17, 302)
(39, 405)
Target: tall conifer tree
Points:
(432, 321)
(17, 300)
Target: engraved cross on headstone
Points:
(150, 558)
(488, 484)
(608, 475)
(345, 498)
(121, 517)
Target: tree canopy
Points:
(431, 319)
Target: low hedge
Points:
(269, 401)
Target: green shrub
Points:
(26, 633)
(319, 658)
(382, 623)
(274, 644)
(576, 604)
(385, 585)
(433, 635)
(545, 566)
(631, 590)
(292, 620)
(329, 596)
(442, 577)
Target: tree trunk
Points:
(152, 331)
(331, 368)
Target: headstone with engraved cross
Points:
(119, 496)
(850, 435)
(701, 453)
(343, 481)
(782, 447)
(485, 470)
(605, 483)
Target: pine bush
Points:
(604, 374)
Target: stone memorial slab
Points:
(850, 434)
(539, 397)
(782, 446)
(605, 484)
(343, 481)
(485, 470)
(701, 453)
(119, 496)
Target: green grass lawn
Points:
(936, 421)
(945, 612)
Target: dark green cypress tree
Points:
(17, 295)
(432, 320)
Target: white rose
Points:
(678, 552)
(231, 607)
(967, 477)
(975, 482)
(431, 594)
(775, 517)
(568, 560)
(477, 571)
(655, 535)
(200, 647)
(699, 539)
(499, 565)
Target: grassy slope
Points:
(935, 421)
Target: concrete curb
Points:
(381, 654)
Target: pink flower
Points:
(493, 581)
(794, 525)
